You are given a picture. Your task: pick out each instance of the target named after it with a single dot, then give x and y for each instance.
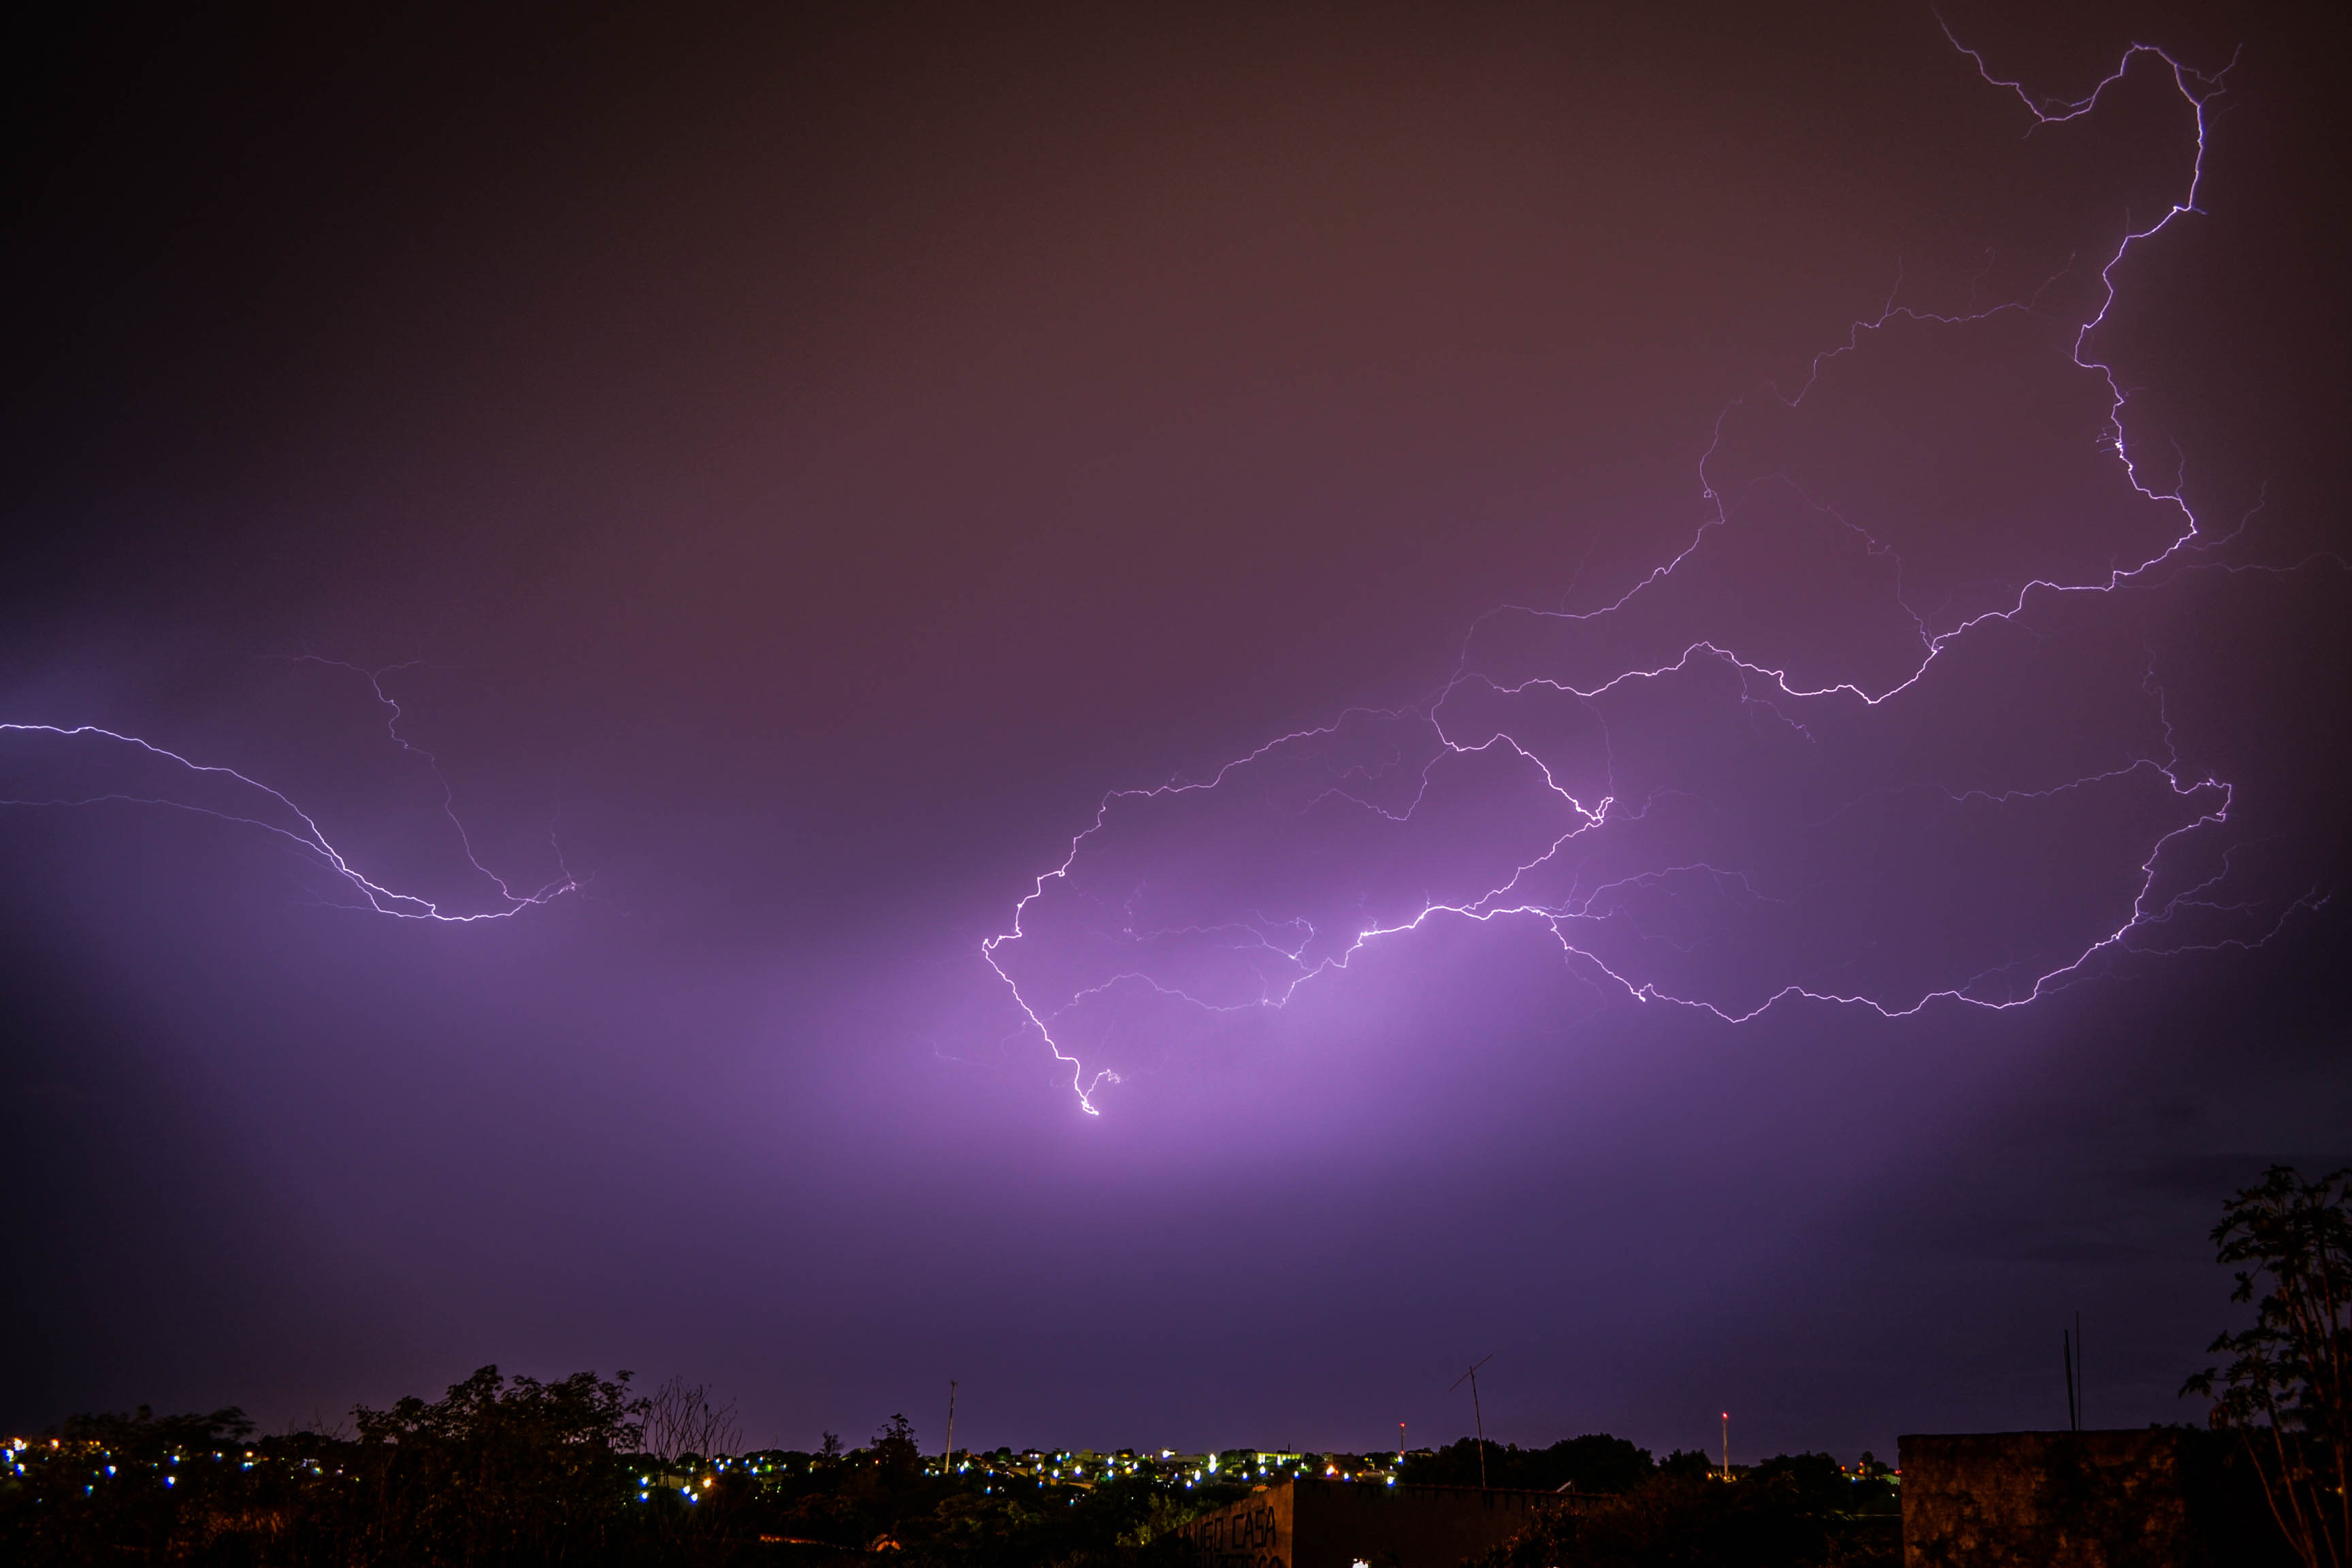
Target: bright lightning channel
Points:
(2210, 797)
(297, 826)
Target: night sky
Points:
(1557, 488)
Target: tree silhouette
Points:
(2286, 1389)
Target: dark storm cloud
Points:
(812, 459)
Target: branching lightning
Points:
(274, 814)
(1285, 951)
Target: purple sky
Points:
(787, 472)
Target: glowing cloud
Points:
(1819, 754)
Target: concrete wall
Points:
(1255, 1532)
(2149, 1498)
(1332, 1524)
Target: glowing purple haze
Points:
(808, 453)
(1555, 776)
(235, 803)
(1680, 787)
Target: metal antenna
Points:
(947, 1462)
(1727, 1445)
(2079, 1401)
(2066, 1344)
(1471, 1377)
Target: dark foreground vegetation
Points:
(1796, 1511)
(516, 1472)
(1800, 1511)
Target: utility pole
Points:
(1471, 1377)
(1727, 1445)
(947, 1461)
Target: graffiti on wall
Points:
(1246, 1535)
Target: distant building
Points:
(1338, 1524)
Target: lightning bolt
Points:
(273, 813)
(1283, 954)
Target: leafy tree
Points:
(499, 1472)
(894, 1453)
(1682, 1521)
(115, 1487)
(1814, 1482)
(2288, 1387)
(147, 1434)
(1875, 1488)
(1595, 1462)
